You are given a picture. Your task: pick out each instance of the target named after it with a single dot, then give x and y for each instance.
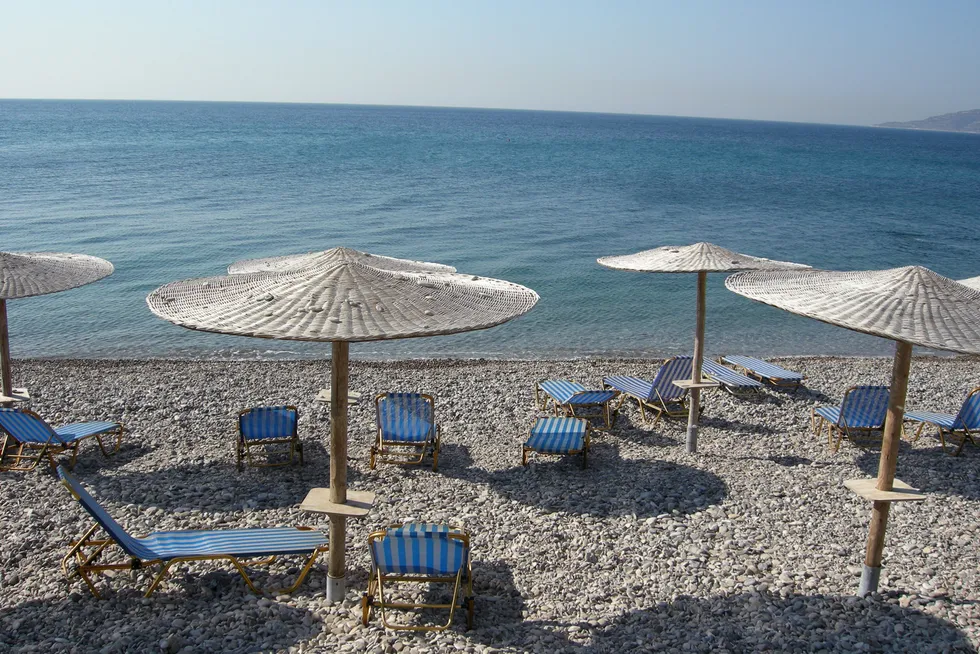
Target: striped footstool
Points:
(558, 436)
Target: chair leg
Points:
(165, 566)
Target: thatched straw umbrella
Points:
(340, 296)
(912, 306)
(27, 274)
(700, 258)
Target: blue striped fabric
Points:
(589, 398)
(863, 407)
(27, 428)
(263, 422)
(968, 417)
(557, 435)
(727, 376)
(560, 390)
(762, 368)
(166, 545)
(420, 551)
(405, 418)
(79, 430)
(672, 369)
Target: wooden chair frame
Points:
(16, 452)
(402, 452)
(377, 580)
(243, 445)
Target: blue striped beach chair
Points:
(733, 382)
(265, 428)
(765, 371)
(419, 553)
(661, 395)
(559, 436)
(166, 548)
(965, 423)
(407, 429)
(572, 399)
(27, 438)
(861, 412)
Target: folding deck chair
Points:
(265, 427)
(733, 382)
(407, 429)
(419, 553)
(966, 422)
(765, 371)
(27, 438)
(861, 411)
(661, 395)
(558, 436)
(572, 399)
(169, 547)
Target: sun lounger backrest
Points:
(424, 549)
(26, 427)
(402, 412)
(969, 414)
(268, 422)
(673, 369)
(864, 406)
(129, 544)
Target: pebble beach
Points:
(751, 544)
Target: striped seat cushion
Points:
(268, 422)
(421, 549)
(762, 368)
(28, 428)
(727, 376)
(557, 435)
(863, 407)
(944, 420)
(168, 545)
(405, 418)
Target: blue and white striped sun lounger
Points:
(575, 400)
(764, 371)
(419, 553)
(169, 547)
(28, 438)
(734, 382)
(862, 411)
(265, 427)
(558, 436)
(407, 429)
(966, 422)
(660, 395)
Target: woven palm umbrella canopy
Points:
(972, 282)
(912, 306)
(27, 274)
(341, 296)
(700, 258)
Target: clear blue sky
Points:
(829, 61)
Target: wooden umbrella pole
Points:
(695, 407)
(886, 466)
(339, 370)
(8, 389)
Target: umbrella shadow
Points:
(560, 484)
(766, 621)
(125, 624)
(735, 425)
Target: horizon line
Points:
(422, 106)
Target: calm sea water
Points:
(169, 191)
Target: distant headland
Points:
(961, 121)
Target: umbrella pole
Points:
(886, 466)
(695, 406)
(336, 583)
(5, 351)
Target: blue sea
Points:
(172, 190)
